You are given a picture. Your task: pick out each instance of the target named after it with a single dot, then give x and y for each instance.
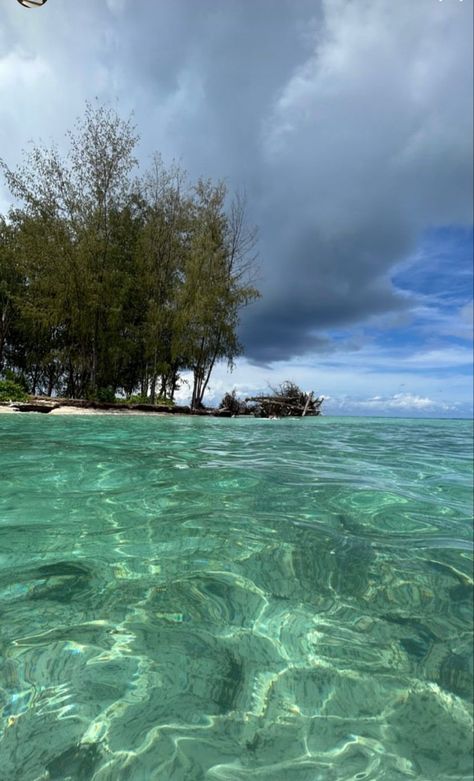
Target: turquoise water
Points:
(224, 600)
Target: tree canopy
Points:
(113, 282)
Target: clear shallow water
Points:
(212, 600)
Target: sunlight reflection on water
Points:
(204, 599)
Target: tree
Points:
(110, 283)
(216, 284)
(76, 202)
(10, 283)
(160, 251)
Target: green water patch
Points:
(223, 600)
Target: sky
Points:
(348, 124)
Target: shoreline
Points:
(79, 407)
(65, 410)
(62, 406)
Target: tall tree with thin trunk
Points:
(160, 252)
(217, 284)
(80, 195)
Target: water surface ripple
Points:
(223, 600)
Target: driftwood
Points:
(273, 406)
(286, 401)
(308, 402)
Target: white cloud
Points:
(438, 359)
(348, 388)
(402, 401)
(398, 404)
(22, 70)
(116, 6)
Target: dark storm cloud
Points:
(348, 123)
(342, 285)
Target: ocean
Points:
(188, 599)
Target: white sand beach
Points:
(69, 410)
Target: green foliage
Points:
(12, 391)
(111, 285)
(16, 378)
(137, 399)
(106, 395)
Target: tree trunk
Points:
(197, 384)
(153, 388)
(211, 366)
(70, 387)
(173, 383)
(154, 378)
(93, 376)
(34, 381)
(164, 381)
(50, 383)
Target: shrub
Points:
(12, 391)
(105, 395)
(138, 399)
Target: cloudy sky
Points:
(349, 125)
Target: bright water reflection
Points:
(205, 600)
